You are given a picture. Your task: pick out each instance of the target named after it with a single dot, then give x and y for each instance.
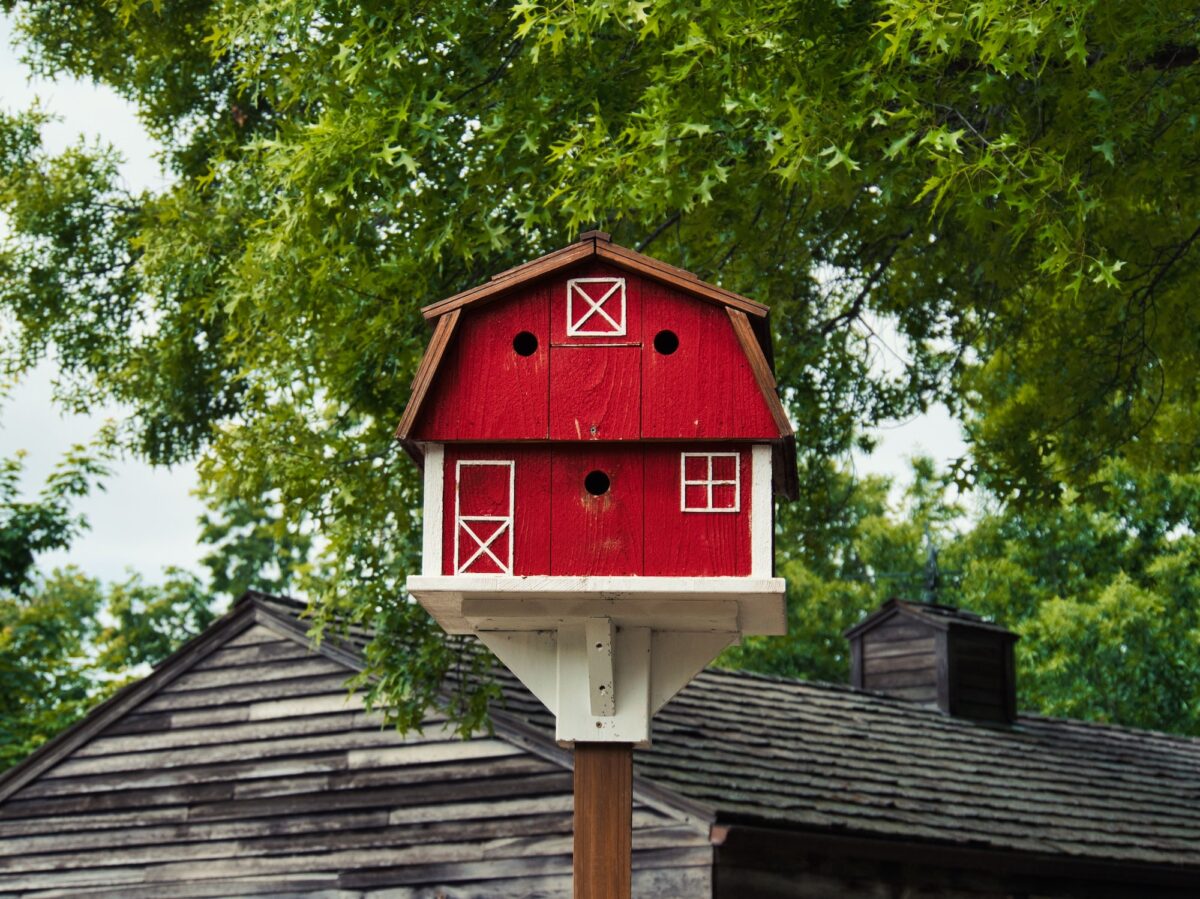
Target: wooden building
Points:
(601, 441)
(240, 767)
(597, 412)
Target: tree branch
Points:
(657, 232)
(856, 306)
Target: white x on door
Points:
(596, 307)
(483, 516)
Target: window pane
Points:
(695, 468)
(724, 496)
(724, 468)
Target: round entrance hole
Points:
(596, 483)
(525, 344)
(666, 342)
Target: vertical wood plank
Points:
(431, 525)
(856, 662)
(485, 389)
(942, 662)
(1010, 682)
(603, 820)
(595, 393)
(596, 534)
(762, 513)
(706, 387)
(531, 475)
(698, 544)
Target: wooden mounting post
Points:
(603, 860)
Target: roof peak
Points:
(936, 614)
(596, 245)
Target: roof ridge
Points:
(1035, 717)
(595, 248)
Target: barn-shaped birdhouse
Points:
(601, 440)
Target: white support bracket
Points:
(599, 634)
(638, 669)
(604, 654)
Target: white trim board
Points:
(431, 524)
(759, 602)
(762, 513)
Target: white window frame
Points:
(709, 482)
(574, 326)
(463, 522)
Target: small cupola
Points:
(937, 655)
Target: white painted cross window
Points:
(710, 482)
(483, 516)
(596, 307)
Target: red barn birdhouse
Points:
(601, 440)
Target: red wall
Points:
(595, 386)
(636, 527)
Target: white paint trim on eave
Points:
(762, 509)
(759, 601)
(431, 521)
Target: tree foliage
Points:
(1012, 185)
(66, 640)
(1104, 591)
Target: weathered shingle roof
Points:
(743, 749)
(830, 757)
(813, 756)
(242, 767)
(936, 616)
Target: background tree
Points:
(1104, 591)
(1011, 185)
(66, 640)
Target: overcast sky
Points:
(146, 519)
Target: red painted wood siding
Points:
(619, 384)
(702, 544)
(599, 535)
(482, 492)
(706, 388)
(636, 528)
(567, 304)
(595, 393)
(484, 508)
(484, 389)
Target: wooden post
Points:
(603, 820)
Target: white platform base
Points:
(463, 603)
(604, 654)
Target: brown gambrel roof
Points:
(748, 318)
(596, 245)
(773, 765)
